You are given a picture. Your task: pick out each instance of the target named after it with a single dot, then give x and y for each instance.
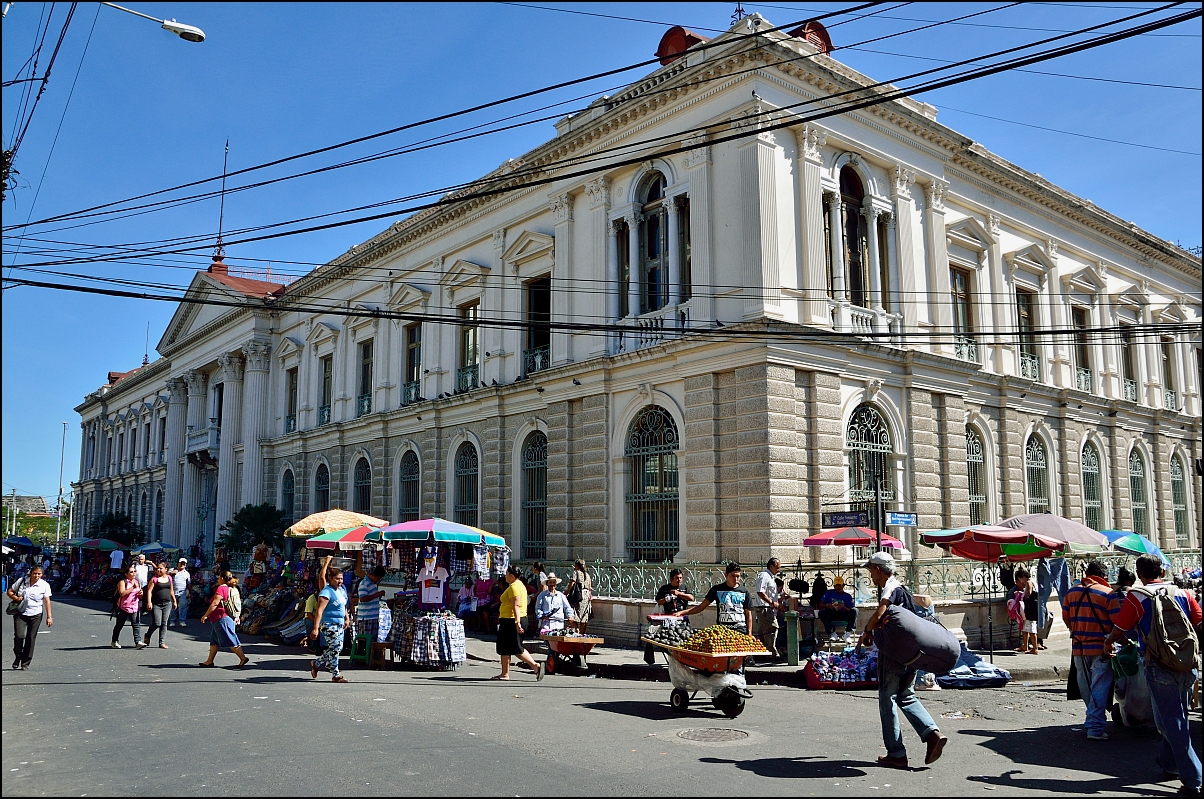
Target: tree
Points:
(119, 527)
(253, 525)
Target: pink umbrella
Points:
(852, 537)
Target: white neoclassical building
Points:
(572, 365)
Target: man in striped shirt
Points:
(1088, 610)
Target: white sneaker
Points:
(115, 645)
(1103, 736)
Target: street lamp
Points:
(189, 33)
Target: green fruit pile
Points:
(717, 639)
(670, 634)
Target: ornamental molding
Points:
(321, 331)
(810, 140)
(528, 246)
(196, 382)
(561, 206)
(258, 355)
(499, 241)
(463, 274)
(408, 297)
(901, 180)
(934, 193)
(598, 191)
(289, 346)
(229, 368)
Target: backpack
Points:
(1171, 642)
(233, 605)
(1016, 607)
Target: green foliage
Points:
(120, 527)
(253, 525)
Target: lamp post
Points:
(189, 33)
(58, 508)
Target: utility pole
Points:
(58, 522)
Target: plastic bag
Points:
(689, 679)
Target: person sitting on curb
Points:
(837, 609)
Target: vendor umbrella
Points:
(154, 548)
(1079, 538)
(441, 530)
(1135, 544)
(336, 519)
(18, 541)
(852, 537)
(103, 544)
(352, 538)
(74, 542)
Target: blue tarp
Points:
(972, 671)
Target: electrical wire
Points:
(20, 137)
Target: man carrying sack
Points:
(1088, 613)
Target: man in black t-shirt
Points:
(732, 602)
(670, 598)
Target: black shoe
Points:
(16, 666)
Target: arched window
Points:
(871, 454)
(1036, 467)
(144, 519)
(1093, 500)
(159, 515)
(467, 502)
(1137, 494)
(652, 444)
(288, 495)
(535, 496)
(120, 505)
(1179, 503)
(108, 506)
(407, 484)
(852, 197)
(976, 473)
(654, 245)
(322, 488)
(363, 486)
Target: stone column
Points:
(759, 224)
(633, 264)
(813, 270)
(602, 251)
(177, 422)
(563, 275)
(255, 415)
(836, 244)
(875, 268)
(941, 309)
(230, 368)
(190, 498)
(905, 225)
(614, 286)
(702, 268)
(1002, 304)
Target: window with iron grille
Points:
(413, 364)
(535, 496)
(362, 478)
(654, 255)
(327, 367)
(322, 489)
(1036, 467)
(291, 392)
(159, 515)
(407, 488)
(871, 454)
(652, 444)
(537, 355)
(1137, 494)
(682, 208)
(468, 374)
(467, 503)
(1093, 500)
(1084, 375)
(852, 196)
(1179, 503)
(976, 473)
(288, 500)
(623, 237)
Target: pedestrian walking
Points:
(331, 622)
(1166, 620)
(368, 609)
(34, 595)
(510, 625)
(180, 582)
(1030, 602)
(1088, 611)
(580, 592)
(765, 604)
(160, 600)
(129, 605)
(223, 632)
(896, 682)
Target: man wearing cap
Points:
(552, 607)
(896, 682)
(837, 608)
(180, 580)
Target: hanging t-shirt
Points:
(730, 604)
(336, 605)
(368, 610)
(431, 582)
(115, 558)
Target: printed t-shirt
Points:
(336, 605)
(836, 597)
(432, 582)
(368, 610)
(219, 612)
(517, 590)
(35, 595)
(730, 604)
(115, 558)
(669, 603)
(1135, 611)
(142, 570)
(1089, 610)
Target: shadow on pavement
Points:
(653, 711)
(794, 767)
(1101, 786)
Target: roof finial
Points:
(220, 249)
(739, 13)
(146, 352)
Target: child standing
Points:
(1028, 630)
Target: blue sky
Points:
(150, 110)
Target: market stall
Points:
(709, 660)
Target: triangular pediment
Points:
(970, 234)
(1173, 313)
(464, 273)
(527, 246)
(289, 345)
(409, 296)
(1032, 258)
(197, 310)
(322, 331)
(160, 402)
(1088, 279)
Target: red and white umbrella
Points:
(852, 537)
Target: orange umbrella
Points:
(335, 519)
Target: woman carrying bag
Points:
(160, 601)
(129, 599)
(30, 600)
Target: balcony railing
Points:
(536, 359)
(1084, 380)
(206, 438)
(162, 456)
(409, 392)
(1130, 389)
(290, 423)
(861, 320)
(363, 404)
(1171, 398)
(323, 415)
(468, 377)
(1030, 366)
(965, 349)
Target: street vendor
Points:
(552, 607)
(671, 599)
(837, 607)
(732, 601)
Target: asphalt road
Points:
(89, 720)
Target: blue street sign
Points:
(894, 519)
(858, 518)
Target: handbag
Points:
(17, 606)
(1126, 662)
(1072, 682)
(574, 593)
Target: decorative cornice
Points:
(598, 190)
(810, 139)
(562, 208)
(934, 193)
(902, 179)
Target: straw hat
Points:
(551, 578)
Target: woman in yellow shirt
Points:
(510, 626)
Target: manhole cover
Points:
(713, 735)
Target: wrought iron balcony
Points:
(363, 404)
(323, 415)
(468, 377)
(1030, 366)
(1084, 380)
(205, 438)
(1171, 398)
(1130, 390)
(409, 392)
(290, 423)
(536, 359)
(965, 349)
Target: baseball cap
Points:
(838, 581)
(182, 560)
(882, 560)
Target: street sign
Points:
(894, 519)
(857, 518)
